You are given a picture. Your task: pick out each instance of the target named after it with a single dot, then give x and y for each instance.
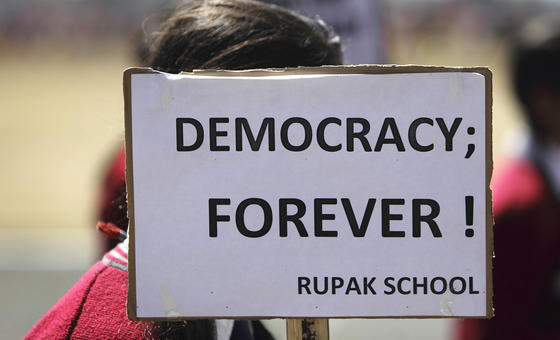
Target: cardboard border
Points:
(350, 69)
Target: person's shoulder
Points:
(516, 186)
(95, 307)
(59, 321)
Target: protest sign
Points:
(312, 192)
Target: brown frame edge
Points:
(131, 298)
(348, 69)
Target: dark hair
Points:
(240, 34)
(535, 60)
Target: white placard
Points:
(366, 195)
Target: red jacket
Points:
(527, 262)
(95, 307)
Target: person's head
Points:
(536, 76)
(240, 34)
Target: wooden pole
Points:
(307, 329)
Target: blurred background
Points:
(61, 108)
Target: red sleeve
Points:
(515, 187)
(94, 308)
(58, 322)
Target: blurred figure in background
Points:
(526, 202)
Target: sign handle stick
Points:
(307, 329)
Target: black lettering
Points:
(241, 124)
(471, 286)
(325, 285)
(462, 288)
(389, 123)
(368, 285)
(308, 133)
(214, 134)
(337, 282)
(213, 214)
(353, 286)
(418, 218)
(443, 285)
(413, 134)
(303, 283)
(321, 134)
(416, 285)
(448, 134)
(320, 217)
(361, 135)
(399, 285)
(179, 122)
(240, 217)
(389, 284)
(284, 218)
(358, 230)
(387, 217)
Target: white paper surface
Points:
(178, 264)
